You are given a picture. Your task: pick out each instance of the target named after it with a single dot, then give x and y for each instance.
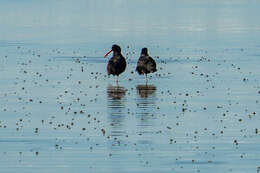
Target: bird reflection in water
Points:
(146, 108)
(115, 92)
(116, 112)
(145, 91)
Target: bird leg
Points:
(116, 80)
(146, 79)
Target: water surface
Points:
(60, 112)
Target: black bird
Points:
(117, 64)
(145, 64)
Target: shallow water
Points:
(60, 112)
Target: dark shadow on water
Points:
(146, 108)
(115, 92)
(116, 109)
(145, 91)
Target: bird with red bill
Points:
(117, 63)
(107, 53)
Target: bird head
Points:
(144, 51)
(115, 48)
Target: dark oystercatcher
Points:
(117, 64)
(145, 64)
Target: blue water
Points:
(60, 112)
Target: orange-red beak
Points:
(107, 53)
